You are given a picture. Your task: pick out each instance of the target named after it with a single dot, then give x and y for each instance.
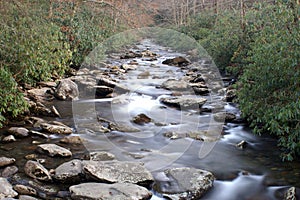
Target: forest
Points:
(257, 42)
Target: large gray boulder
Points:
(54, 150)
(37, 171)
(66, 90)
(6, 189)
(117, 191)
(117, 172)
(69, 172)
(184, 102)
(186, 183)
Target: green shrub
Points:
(270, 88)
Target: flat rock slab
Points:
(69, 172)
(56, 129)
(6, 189)
(117, 172)
(117, 191)
(172, 84)
(4, 161)
(54, 150)
(101, 156)
(37, 171)
(18, 131)
(184, 102)
(186, 183)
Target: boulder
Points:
(177, 61)
(69, 172)
(117, 172)
(4, 161)
(9, 139)
(184, 102)
(117, 191)
(173, 84)
(101, 156)
(102, 81)
(9, 171)
(6, 189)
(39, 134)
(54, 150)
(67, 90)
(141, 119)
(37, 171)
(186, 183)
(25, 190)
(72, 140)
(56, 129)
(224, 116)
(18, 132)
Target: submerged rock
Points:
(186, 183)
(66, 90)
(117, 191)
(18, 131)
(6, 189)
(184, 102)
(101, 156)
(4, 161)
(117, 172)
(54, 150)
(69, 172)
(37, 171)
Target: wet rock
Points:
(25, 190)
(102, 91)
(144, 75)
(9, 139)
(177, 61)
(18, 132)
(9, 171)
(39, 134)
(230, 95)
(40, 109)
(6, 190)
(124, 191)
(40, 94)
(66, 90)
(199, 88)
(123, 128)
(242, 145)
(54, 150)
(101, 156)
(69, 172)
(290, 194)
(4, 161)
(224, 116)
(184, 102)
(127, 67)
(37, 171)
(55, 111)
(186, 183)
(172, 84)
(115, 171)
(56, 129)
(130, 55)
(141, 119)
(72, 140)
(27, 197)
(112, 84)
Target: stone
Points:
(6, 189)
(40, 94)
(25, 190)
(18, 132)
(116, 171)
(186, 183)
(117, 191)
(131, 54)
(184, 102)
(9, 171)
(9, 139)
(230, 95)
(144, 75)
(54, 150)
(112, 84)
(101, 156)
(72, 140)
(141, 119)
(224, 116)
(69, 172)
(128, 67)
(177, 61)
(173, 84)
(27, 197)
(39, 134)
(102, 91)
(66, 90)
(56, 129)
(242, 145)
(290, 194)
(37, 171)
(4, 161)
(122, 127)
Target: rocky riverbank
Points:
(55, 163)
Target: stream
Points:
(251, 173)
